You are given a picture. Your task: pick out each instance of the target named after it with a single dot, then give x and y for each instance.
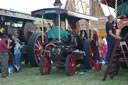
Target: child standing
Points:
(17, 54)
(105, 48)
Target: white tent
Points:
(107, 10)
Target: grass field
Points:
(31, 76)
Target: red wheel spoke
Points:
(70, 64)
(37, 45)
(38, 42)
(38, 57)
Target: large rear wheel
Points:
(91, 53)
(35, 49)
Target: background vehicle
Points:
(121, 12)
(22, 26)
(122, 23)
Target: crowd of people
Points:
(9, 44)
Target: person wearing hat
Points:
(17, 54)
(111, 36)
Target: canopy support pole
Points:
(115, 8)
(66, 24)
(42, 29)
(59, 27)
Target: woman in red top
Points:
(4, 56)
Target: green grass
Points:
(31, 76)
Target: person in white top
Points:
(105, 47)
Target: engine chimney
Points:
(57, 4)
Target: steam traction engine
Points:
(64, 47)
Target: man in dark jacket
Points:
(4, 56)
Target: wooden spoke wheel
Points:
(91, 53)
(70, 65)
(45, 65)
(35, 48)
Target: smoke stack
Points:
(57, 4)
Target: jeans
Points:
(17, 60)
(111, 43)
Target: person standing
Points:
(17, 54)
(11, 49)
(4, 56)
(105, 48)
(96, 39)
(111, 36)
(12, 44)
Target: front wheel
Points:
(70, 65)
(45, 65)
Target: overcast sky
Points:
(27, 6)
